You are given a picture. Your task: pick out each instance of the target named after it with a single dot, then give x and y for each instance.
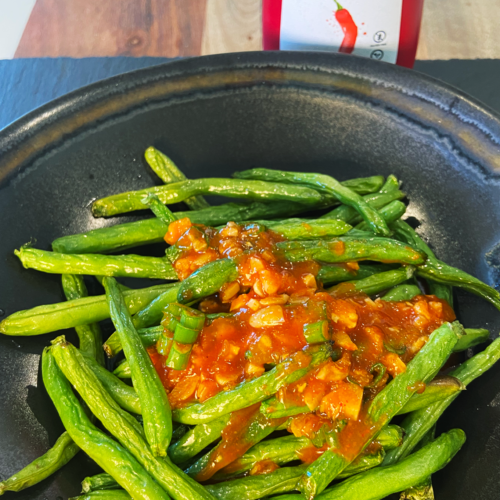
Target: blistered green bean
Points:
(168, 172)
(375, 200)
(349, 249)
(122, 425)
(41, 468)
(418, 423)
(135, 266)
(109, 455)
(131, 234)
(247, 393)
(386, 404)
(154, 402)
(330, 187)
(99, 482)
(232, 188)
(53, 317)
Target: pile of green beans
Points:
(152, 452)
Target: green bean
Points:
(121, 424)
(104, 495)
(375, 200)
(234, 444)
(131, 234)
(472, 337)
(418, 423)
(361, 185)
(168, 172)
(274, 408)
(386, 404)
(135, 266)
(207, 280)
(334, 273)
(179, 431)
(232, 188)
(422, 368)
(402, 293)
(247, 393)
(391, 436)
(362, 463)
(391, 184)
(423, 490)
(304, 229)
(56, 457)
(149, 337)
(100, 279)
(375, 283)
(68, 314)
(99, 482)
(438, 389)
(407, 234)
(289, 448)
(64, 448)
(330, 187)
(122, 370)
(447, 275)
(154, 402)
(122, 393)
(90, 336)
(108, 454)
(280, 450)
(196, 439)
(152, 313)
(365, 185)
(390, 213)
(255, 487)
(161, 211)
(380, 482)
(348, 249)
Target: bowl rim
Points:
(451, 114)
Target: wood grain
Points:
(232, 26)
(460, 29)
(451, 29)
(86, 28)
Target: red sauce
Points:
(264, 467)
(272, 300)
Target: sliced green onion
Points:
(169, 321)
(193, 319)
(395, 350)
(179, 354)
(185, 335)
(174, 309)
(380, 370)
(317, 332)
(165, 343)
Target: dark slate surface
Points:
(26, 84)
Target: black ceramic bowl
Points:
(311, 112)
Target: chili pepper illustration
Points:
(349, 28)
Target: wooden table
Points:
(451, 29)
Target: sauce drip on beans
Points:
(271, 301)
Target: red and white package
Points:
(386, 30)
